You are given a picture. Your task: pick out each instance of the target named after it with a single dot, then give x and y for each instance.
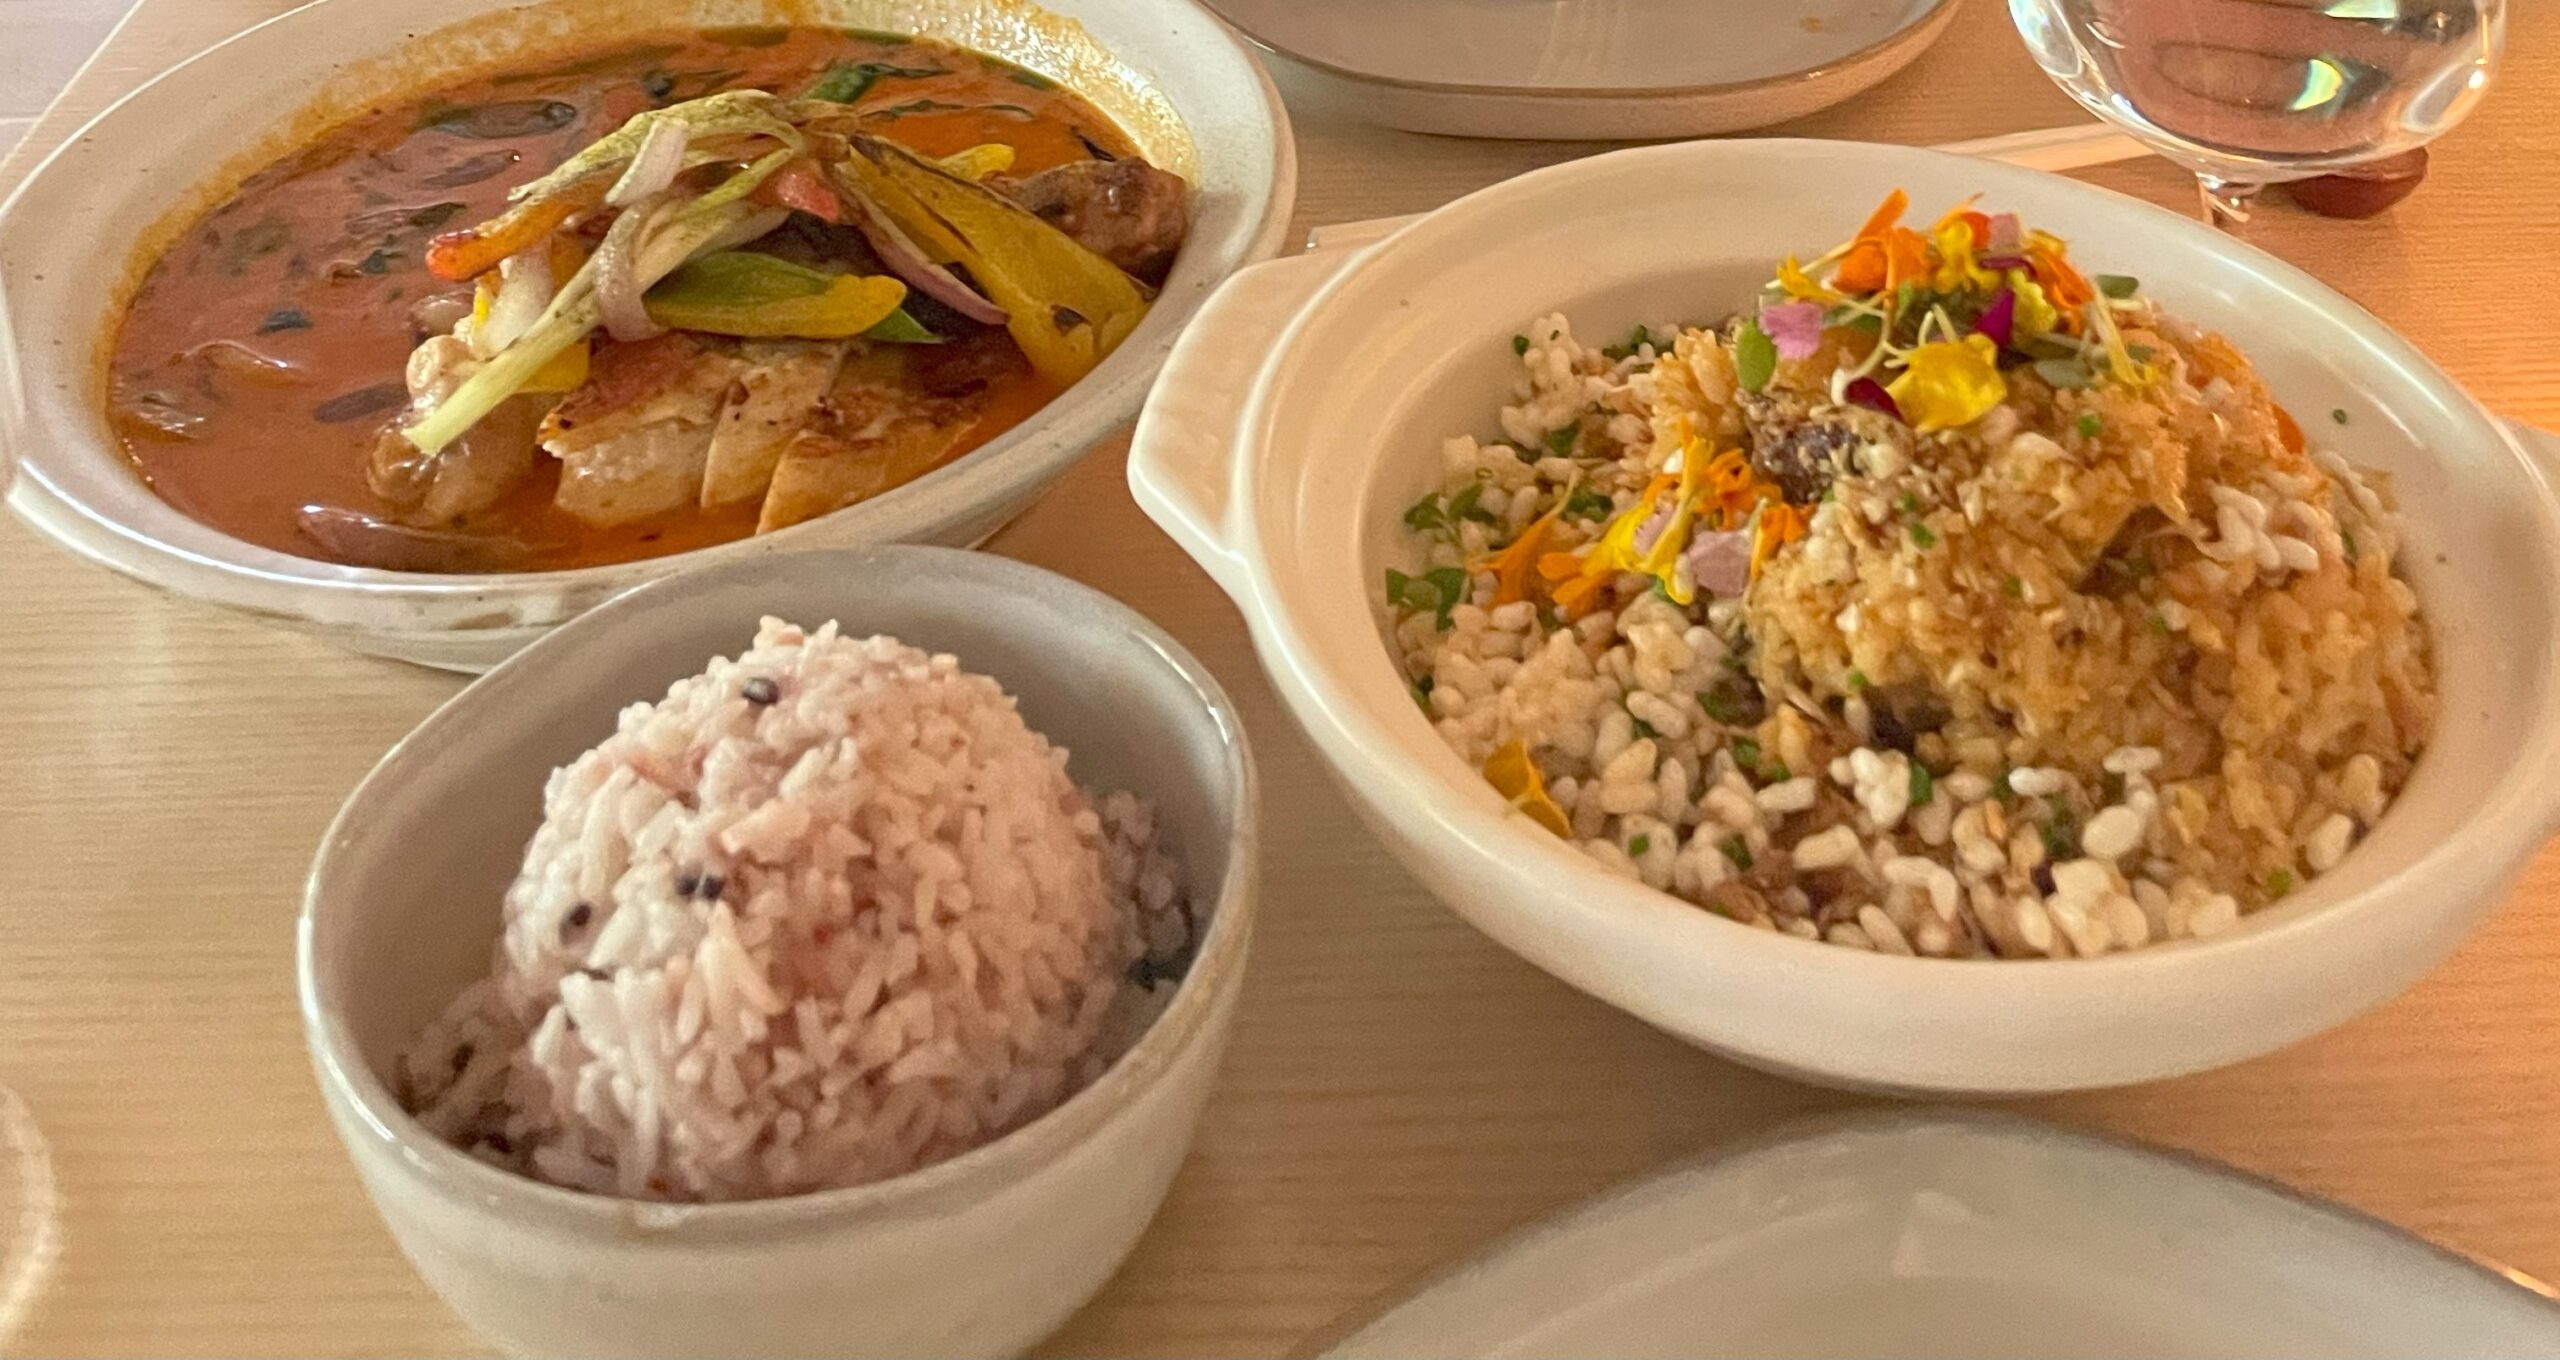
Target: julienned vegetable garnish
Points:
(1944, 601)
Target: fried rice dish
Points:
(1946, 601)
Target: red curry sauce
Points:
(264, 351)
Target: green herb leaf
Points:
(1560, 441)
(1746, 752)
(1776, 772)
(2015, 588)
(1924, 785)
(1520, 344)
(1755, 357)
(2061, 838)
(849, 81)
(2279, 882)
(1422, 693)
(1923, 535)
(1586, 503)
(2117, 286)
(1734, 849)
(1645, 729)
(1638, 846)
(1910, 504)
(901, 328)
(2090, 424)
(1463, 506)
(1451, 583)
(1857, 680)
(2068, 375)
(1426, 514)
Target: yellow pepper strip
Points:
(1949, 383)
(977, 162)
(1065, 306)
(1515, 567)
(739, 292)
(1516, 778)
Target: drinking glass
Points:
(2247, 93)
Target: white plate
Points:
(1961, 1234)
(1587, 68)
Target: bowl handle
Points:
(1184, 464)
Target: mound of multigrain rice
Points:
(1949, 603)
(826, 913)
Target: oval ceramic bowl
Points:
(981, 1254)
(1920, 1233)
(1580, 69)
(1306, 408)
(1189, 92)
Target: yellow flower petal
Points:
(1516, 778)
(1949, 384)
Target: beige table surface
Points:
(1400, 1090)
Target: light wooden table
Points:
(1400, 1090)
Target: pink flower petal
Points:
(1999, 320)
(1720, 563)
(2008, 234)
(1795, 327)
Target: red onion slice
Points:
(909, 262)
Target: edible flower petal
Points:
(1515, 776)
(1796, 327)
(1999, 320)
(1869, 393)
(1515, 567)
(1947, 384)
(1798, 284)
(2035, 312)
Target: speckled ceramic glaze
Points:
(1307, 406)
(982, 1254)
(1188, 91)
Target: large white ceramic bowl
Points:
(1188, 91)
(982, 1254)
(1305, 409)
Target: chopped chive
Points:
(1776, 772)
(1924, 785)
(1519, 344)
(1921, 534)
(2015, 588)
(2338, 414)
(1560, 441)
(1910, 504)
(1857, 681)
(1736, 851)
(2090, 424)
(1644, 729)
(2279, 882)
(1638, 846)
(2347, 541)
(1463, 506)
(1451, 584)
(1422, 693)
(1746, 752)
(1426, 514)
(2000, 790)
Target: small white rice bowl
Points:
(826, 913)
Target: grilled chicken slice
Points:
(875, 431)
(470, 474)
(634, 441)
(778, 389)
